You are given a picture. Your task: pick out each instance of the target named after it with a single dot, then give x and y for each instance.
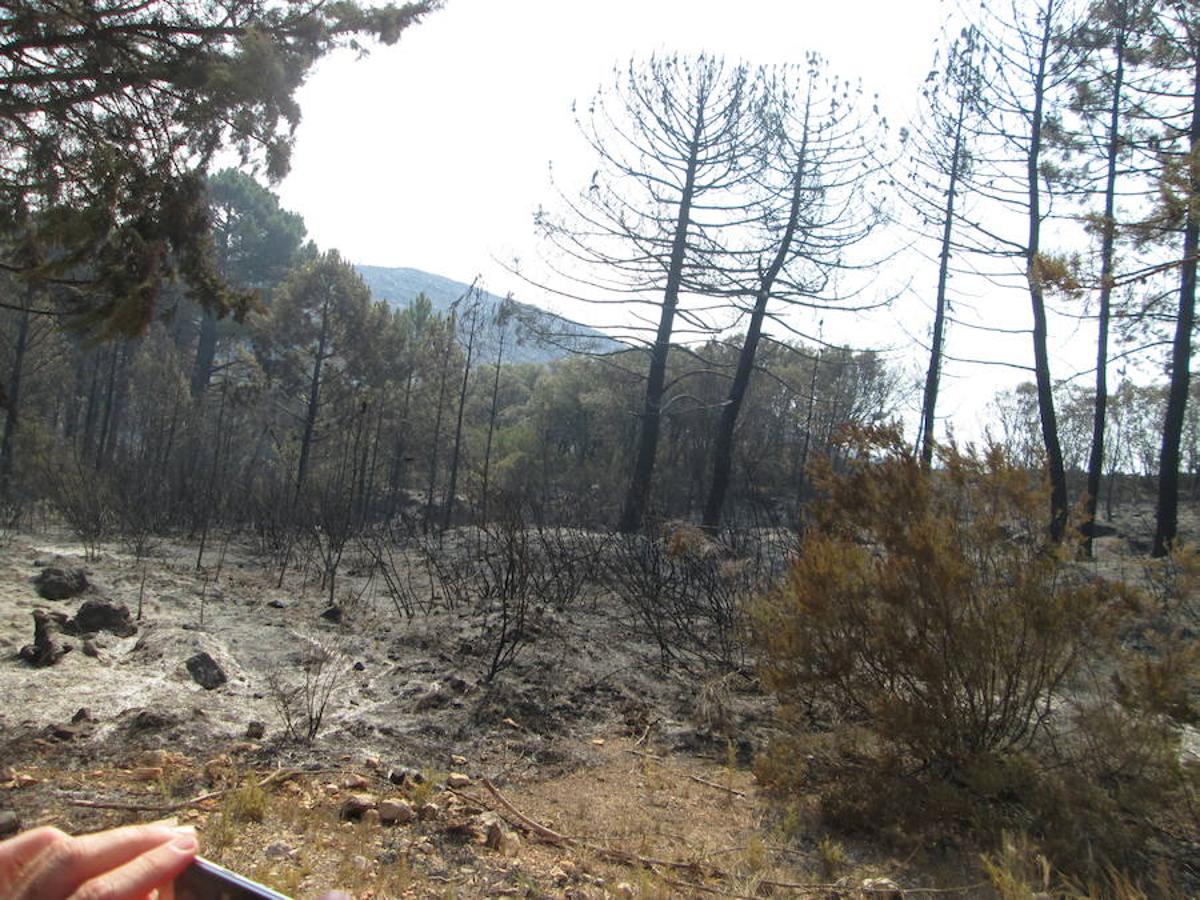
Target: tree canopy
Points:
(110, 113)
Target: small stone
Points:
(62, 732)
(205, 671)
(458, 780)
(154, 758)
(355, 805)
(279, 850)
(503, 840)
(511, 723)
(882, 889)
(428, 811)
(333, 614)
(358, 666)
(276, 604)
(624, 889)
(10, 823)
(255, 730)
(83, 714)
(372, 762)
(458, 760)
(396, 812)
(599, 742)
(90, 649)
(405, 775)
(356, 782)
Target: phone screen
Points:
(204, 880)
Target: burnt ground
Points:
(644, 766)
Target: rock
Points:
(624, 889)
(883, 888)
(279, 850)
(458, 780)
(333, 614)
(44, 651)
(405, 775)
(358, 666)
(428, 811)
(501, 839)
(205, 671)
(355, 805)
(356, 782)
(96, 614)
(90, 649)
(458, 760)
(146, 773)
(151, 720)
(10, 823)
(396, 812)
(83, 714)
(387, 857)
(276, 604)
(255, 729)
(60, 582)
(62, 732)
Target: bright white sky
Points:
(434, 153)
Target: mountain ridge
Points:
(399, 286)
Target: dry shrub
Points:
(929, 611)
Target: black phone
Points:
(204, 880)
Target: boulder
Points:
(205, 671)
(96, 614)
(60, 582)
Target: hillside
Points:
(399, 286)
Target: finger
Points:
(16, 853)
(135, 879)
(65, 865)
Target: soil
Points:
(645, 768)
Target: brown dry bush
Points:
(957, 651)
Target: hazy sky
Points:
(434, 153)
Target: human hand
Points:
(120, 864)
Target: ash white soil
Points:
(411, 689)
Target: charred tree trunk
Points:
(1167, 516)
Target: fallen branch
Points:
(279, 775)
(719, 787)
(537, 828)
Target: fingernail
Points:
(185, 843)
(184, 829)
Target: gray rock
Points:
(205, 671)
(333, 614)
(255, 730)
(396, 812)
(10, 823)
(60, 582)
